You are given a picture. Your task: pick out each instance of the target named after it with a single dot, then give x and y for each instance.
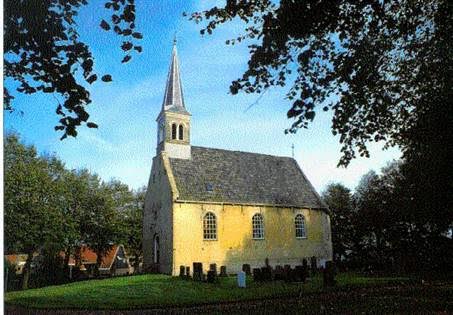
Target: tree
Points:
(132, 222)
(398, 229)
(376, 214)
(100, 222)
(77, 185)
(339, 200)
(43, 52)
(382, 67)
(32, 218)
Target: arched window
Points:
(258, 226)
(209, 226)
(181, 132)
(299, 222)
(173, 131)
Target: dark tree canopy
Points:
(339, 200)
(383, 67)
(44, 53)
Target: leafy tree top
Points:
(43, 52)
(367, 61)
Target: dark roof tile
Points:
(242, 177)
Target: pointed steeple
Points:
(173, 98)
(173, 121)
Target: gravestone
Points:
(213, 267)
(266, 273)
(223, 272)
(305, 266)
(246, 269)
(329, 274)
(241, 277)
(278, 273)
(257, 274)
(187, 271)
(212, 276)
(198, 271)
(313, 264)
(182, 271)
(287, 272)
(299, 272)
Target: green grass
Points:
(148, 291)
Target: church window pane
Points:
(258, 226)
(173, 131)
(209, 226)
(181, 132)
(300, 226)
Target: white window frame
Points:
(209, 226)
(258, 226)
(300, 226)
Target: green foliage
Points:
(382, 67)
(44, 53)
(32, 216)
(132, 223)
(52, 210)
(385, 226)
(339, 200)
(100, 222)
(31, 196)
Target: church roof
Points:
(173, 98)
(241, 177)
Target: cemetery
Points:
(299, 273)
(275, 288)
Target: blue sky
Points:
(126, 108)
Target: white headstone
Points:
(241, 279)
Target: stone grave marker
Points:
(212, 276)
(182, 271)
(246, 269)
(241, 279)
(213, 267)
(278, 273)
(257, 274)
(198, 271)
(223, 272)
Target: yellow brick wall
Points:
(234, 245)
(157, 216)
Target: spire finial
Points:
(174, 39)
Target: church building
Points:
(225, 207)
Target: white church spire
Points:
(173, 98)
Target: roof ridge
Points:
(239, 151)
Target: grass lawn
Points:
(149, 291)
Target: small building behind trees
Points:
(114, 263)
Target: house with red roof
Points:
(114, 263)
